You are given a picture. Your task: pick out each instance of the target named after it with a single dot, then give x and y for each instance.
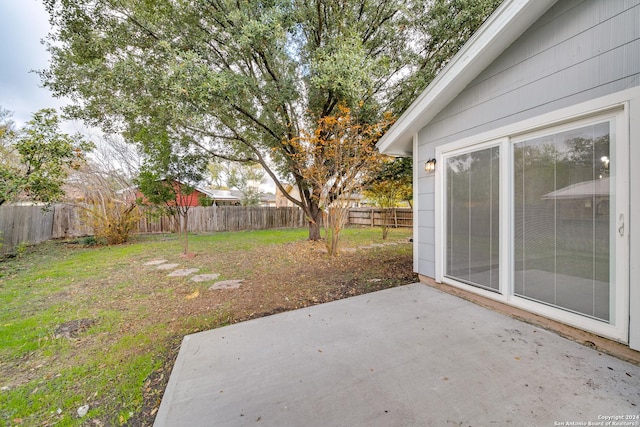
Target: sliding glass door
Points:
(537, 218)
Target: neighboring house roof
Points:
(267, 197)
(581, 190)
(225, 195)
(235, 195)
(498, 32)
(214, 194)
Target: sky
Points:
(23, 24)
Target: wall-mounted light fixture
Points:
(604, 169)
(430, 166)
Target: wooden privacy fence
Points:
(394, 217)
(227, 218)
(32, 224)
(24, 224)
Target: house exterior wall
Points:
(577, 51)
(192, 199)
(281, 199)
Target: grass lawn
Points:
(125, 320)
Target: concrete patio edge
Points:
(588, 339)
(411, 355)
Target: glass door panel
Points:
(472, 217)
(562, 247)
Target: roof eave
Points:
(497, 33)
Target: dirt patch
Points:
(73, 328)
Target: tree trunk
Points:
(385, 232)
(185, 231)
(384, 214)
(186, 240)
(314, 224)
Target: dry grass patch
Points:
(131, 317)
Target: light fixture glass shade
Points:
(430, 165)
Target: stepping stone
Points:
(348, 250)
(167, 266)
(226, 284)
(184, 272)
(374, 280)
(391, 244)
(155, 262)
(205, 277)
(365, 247)
(377, 245)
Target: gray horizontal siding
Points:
(577, 51)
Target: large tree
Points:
(241, 80)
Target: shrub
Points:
(112, 220)
(89, 241)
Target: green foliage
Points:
(169, 175)
(204, 200)
(7, 129)
(445, 27)
(392, 183)
(167, 179)
(21, 248)
(240, 80)
(217, 175)
(89, 241)
(39, 158)
(247, 179)
(159, 192)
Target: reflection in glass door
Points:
(563, 184)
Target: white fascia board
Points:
(497, 33)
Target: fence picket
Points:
(32, 224)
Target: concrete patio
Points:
(408, 356)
